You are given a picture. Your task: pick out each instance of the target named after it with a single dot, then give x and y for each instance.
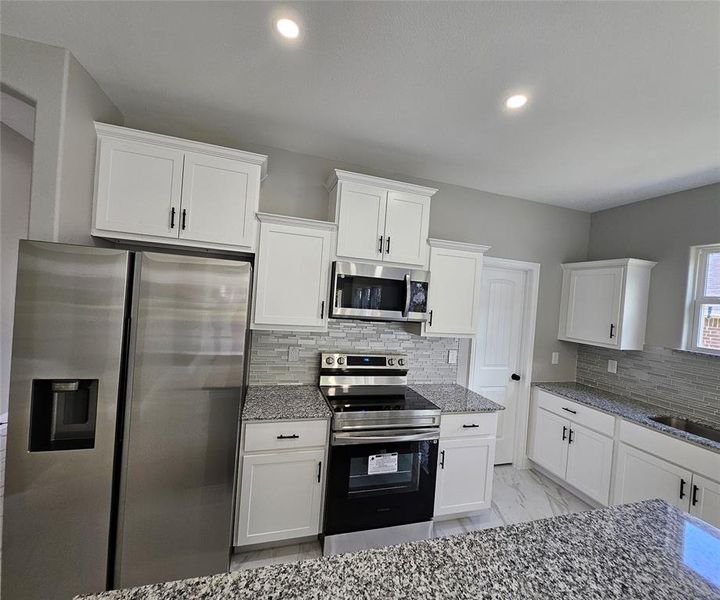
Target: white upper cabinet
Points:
(159, 189)
(219, 200)
(292, 273)
(454, 296)
(380, 219)
(604, 303)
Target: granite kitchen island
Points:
(648, 550)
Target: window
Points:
(705, 333)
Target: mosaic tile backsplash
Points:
(680, 383)
(269, 365)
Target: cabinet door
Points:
(705, 500)
(280, 496)
(219, 200)
(361, 221)
(642, 476)
(549, 447)
(407, 220)
(589, 462)
(454, 291)
(464, 475)
(593, 305)
(292, 276)
(138, 188)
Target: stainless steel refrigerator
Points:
(126, 385)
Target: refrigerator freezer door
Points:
(67, 347)
(187, 366)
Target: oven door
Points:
(378, 293)
(375, 483)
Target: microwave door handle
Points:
(406, 310)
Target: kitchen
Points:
(233, 350)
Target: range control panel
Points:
(360, 361)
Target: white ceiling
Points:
(625, 96)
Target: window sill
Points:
(710, 354)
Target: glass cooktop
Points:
(374, 398)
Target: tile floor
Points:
(518, 496)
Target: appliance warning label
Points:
(382, 463)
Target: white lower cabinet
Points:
(465, 468)
(705, 499)
(280, 492)
(574, 453)
(642, 476)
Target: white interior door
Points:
(497, 348)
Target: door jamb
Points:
(527, 343)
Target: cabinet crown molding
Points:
(452, 245)
(168, 141)
(398, 186)
(296, 221)
(602, 264)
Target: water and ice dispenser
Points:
(63, 414)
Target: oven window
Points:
(370, 293)
(397, 473)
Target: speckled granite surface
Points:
(629, 409)
(648, 550)
(455, 398)
(284, 403)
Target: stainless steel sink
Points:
(682, 424)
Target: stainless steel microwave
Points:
(378, 293)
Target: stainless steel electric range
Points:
(383, 453)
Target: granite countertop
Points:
(454, 398)
(627, 408)
(648, 550)
(284, 403)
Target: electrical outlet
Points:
(293, 354)
(452, 357)
(612, 366)
(555, 358)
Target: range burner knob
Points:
(341, 360)
(391, 362)
(329, 360)
(401, 362)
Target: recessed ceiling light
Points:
(516, 101)
(288, 28)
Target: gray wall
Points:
(660, 229)
(515, 228)
(67, 101)
(16, 154)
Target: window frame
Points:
(699, 264)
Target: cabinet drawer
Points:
(285, 435)
(578, 413)
(468, 424)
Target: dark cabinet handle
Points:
(380, 246)
(570, 437)
(184, 215)
(570, 410)
(319, 470)
(442, 459)
(470, 426)
(294, 436)
(430, 321)
(172, 218)
(612, 330)
(694, 495)
(564, 433)
(515, 377)
(387, 246)
(322, 309)
(682, 488)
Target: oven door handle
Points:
(356, 438)
(408, 293)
